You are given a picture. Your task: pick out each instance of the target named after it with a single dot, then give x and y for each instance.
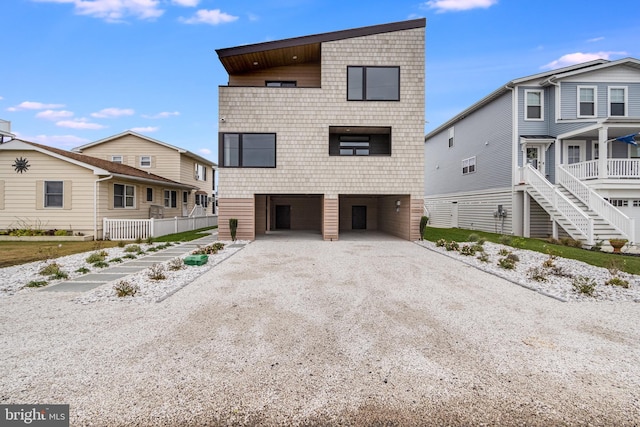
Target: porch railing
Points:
(565, 207)
(596, 203)
(132, 229)
(623, 168)
(583, 170)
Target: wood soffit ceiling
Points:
(299, 50)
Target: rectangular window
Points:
(359, 141)
(636, 203)
(534, 109)
(278, 83)
(200, 172)
(149, 194)
(248, 150)
(586, 101)
(451, 136)
(170, 198)
(53, 194)
(469, 165)
(145, 161)
(619, 203)
(116, 159)
(373, 83)
(123, 196)
(617, 101)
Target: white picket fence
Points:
(132, 229)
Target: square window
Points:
(53, 194)
(468, 165)
(145, 161)
(123, 196)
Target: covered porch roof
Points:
(615, 126)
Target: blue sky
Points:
(76, 71)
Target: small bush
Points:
(467, 250)
(568, 241)
(504, 252)
(424, 220)
(505, 240)
(50, 269)
(618, 281)
(549, 262)
(584, 285)
(116, 259)
(36, 284)
(441, 242)
(538, 274)
(233, 227)
(129, 256)
(59, 275)
(100, 264)
(132, 248)
(473, 237)
(483, 257)
(156, 272)
(559, 271)
(553, 241)
(615, 265)
(96, 256)
(153, 249)
(518, 242)
(60, 233)
(477, 247)
(513, 257)
(211, 249)
(83, 270)
(452, 246)
(125, 289)
(176, 264)
(121, 243)
(149, 240)
(138, 240)
(508, 262)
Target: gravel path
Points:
(317, 333)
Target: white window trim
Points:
(470, 161)
(451, 141)
(124, 195)
(142, 157)
(626, 100)
(117, 156)
(526, 110)
(595, 102)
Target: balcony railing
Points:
(616, 168)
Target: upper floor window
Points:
(617, 101)
(533, 108)
(248, 150)
(200, 172)
(359, 141)
(116, 159)
(451, 137)
(124, 196)
(469, 165)
(373, 83)
(53, 194)
(145, 161)
(587, 101)
(281, 83)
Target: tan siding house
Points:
(49, 188)
(160, 158)
(324, 133)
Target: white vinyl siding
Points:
(534, 107)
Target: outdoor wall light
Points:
(397, 205)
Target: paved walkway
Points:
(98, 278)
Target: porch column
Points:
(558, 152)
(526, 209)
(602, 152)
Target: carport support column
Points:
(268, 213)
(330, 217)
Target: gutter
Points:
(95, 206)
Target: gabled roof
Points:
(98, 166)
(298, 50)
(155, 141)
(543, 79)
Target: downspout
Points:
(557, 149)
(515, 173)
(95, 206)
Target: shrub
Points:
(59, 275)
(149, 240)
(115, 259)
(467, 250)
(211, 249)
(473, 237)
(121, 244)
(538, 274)
(617, 281)
(568, 241)
(513, 257)
(518, 242)
(36, 284)
(477, 247)
(452, 246)
(584, 285)
(125, 289)
(60, 233)
(441, 242)
(83, 270)
(506, 263)
(505, 240)
(156, 272)
(50, 269)
(504, 252)
(176, 264)
(101, 264)
(96, 257)
(424, 220)
(233, 227)
(129, 256)
(132, 248)
(549, 262)
(556, 270)
(153, 249)
(615, 265)
(138, 240)
(483, 257)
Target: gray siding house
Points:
(543, 155)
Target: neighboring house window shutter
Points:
(67, 194)
(1, 194)
(39, 194)
(110, 196)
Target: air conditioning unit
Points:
(197, 177)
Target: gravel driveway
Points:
(317, 333)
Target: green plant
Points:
(176, 264)
(504, 252)
(83, 270)
(129, 256)
(483, 257)
(153, 249)
(233, 227)
(36, 284)
(117, 259)
(125, 289)
(441, 242)
(468, 250)
(584, 285)
(615, 265)
(508, 262)
(477, 247)
(121, 243)
(211, 249)
(149, 240)
(568, 241)
(132, 248)
(97, 256)
(452, 246)
(549, 262)
(556, 270)
(539, 274)
(505, 240)
(50, 269)
(473, 237)
(424, 220)
(517, 242)
(138, 240)
(60, 233)
(618, 281)
(156, 272)
(100, 264)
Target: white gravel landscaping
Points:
(554, 285)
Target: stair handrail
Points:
(595, 202)
(561, 203)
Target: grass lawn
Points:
(14, 253)
(628, 263)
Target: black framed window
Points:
(281, 83)
(123, 196)
(373, 83)
(149, 194)
(248, 150)
(359, 141)
(53, 194)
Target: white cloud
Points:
(54, 114)
(212, 17)
(30, 105)
(162, 115)
(79, 124)
(204, 151)
(595, 39)
(458, 5)
(577, 58)
(55, 140)
(145, 129)
(186, 3)
(114, 10)
(1, 98)
(113, 112)
(253, 17)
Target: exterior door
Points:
(454, 215)
(283, 217)
(358, 217)
(535, 156)
(574, 152)
(185, 202)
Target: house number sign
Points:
(21, 165)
